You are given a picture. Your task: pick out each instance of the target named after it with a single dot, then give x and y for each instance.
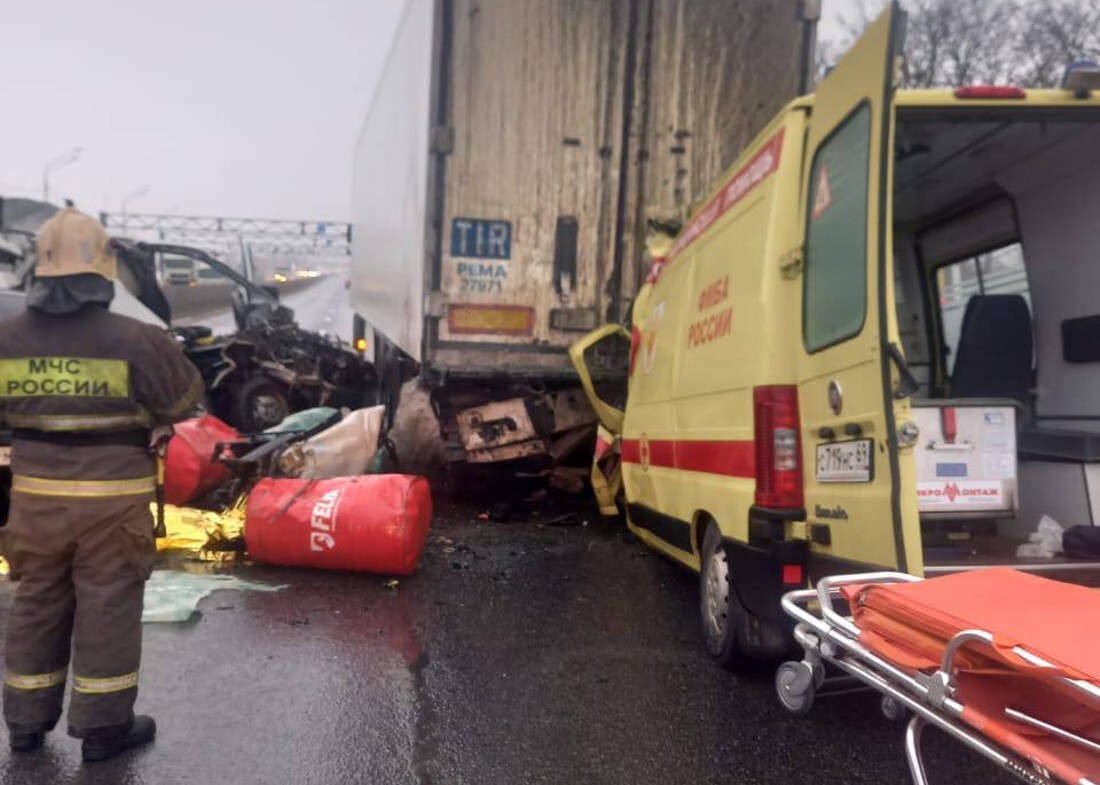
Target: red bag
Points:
(374, 523)
(190, 470)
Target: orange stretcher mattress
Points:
(910, 624)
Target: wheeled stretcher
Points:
(1005, 662)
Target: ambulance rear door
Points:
(852, 377)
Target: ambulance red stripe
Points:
(725, 458)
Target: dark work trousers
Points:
(81, 566)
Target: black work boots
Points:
(105, 744)
(25, 741)
(101, 744)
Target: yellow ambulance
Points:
(876, 345)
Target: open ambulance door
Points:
(604, 381)
(591, 357)
(852, 379)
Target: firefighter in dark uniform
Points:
(82, 389)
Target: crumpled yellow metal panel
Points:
(607, 475)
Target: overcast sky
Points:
(226, 107)
(832, 14)
(220, 107)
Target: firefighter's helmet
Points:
(72, 243)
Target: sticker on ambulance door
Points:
(823, 197)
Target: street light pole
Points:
(126, 199)
(53, 165)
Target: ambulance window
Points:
(835, 293)
(1001, 271)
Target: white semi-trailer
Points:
(512, 157)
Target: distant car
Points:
(178, 270)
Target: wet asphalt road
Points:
(532, 653)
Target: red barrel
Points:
(190, 470)
(373, 523)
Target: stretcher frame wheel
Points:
(893, 710)
(796, 685)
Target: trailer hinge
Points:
(433, 304)
(442, 139)
(792, 263)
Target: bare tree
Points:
(956, 42)
(1059, 32)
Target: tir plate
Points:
(845, 461)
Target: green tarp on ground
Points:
(172, 596)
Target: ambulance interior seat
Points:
(994, 361)
(995, 350)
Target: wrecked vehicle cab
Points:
(268, 369)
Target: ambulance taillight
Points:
(778, 448)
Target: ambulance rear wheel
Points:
(722, 612)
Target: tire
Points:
(735, 637)
(795, 687)
(721, 612)
(259, 404)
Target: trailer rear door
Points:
(529, 190)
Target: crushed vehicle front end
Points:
(270, 367)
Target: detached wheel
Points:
(721, 610)
(259, 404)
(794, 685)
